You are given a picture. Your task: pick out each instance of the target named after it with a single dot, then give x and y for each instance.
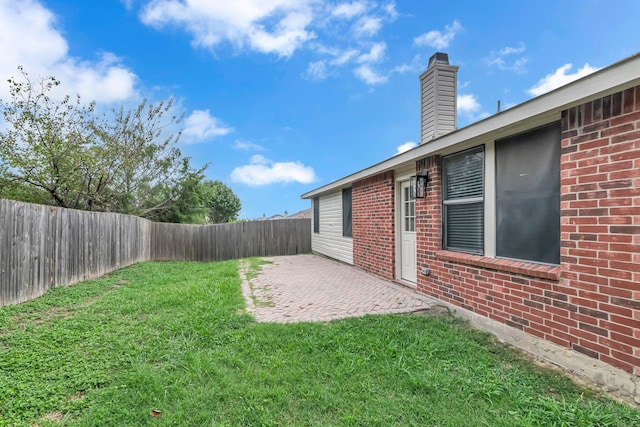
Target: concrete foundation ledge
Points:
(617, 383)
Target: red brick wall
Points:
(373, 202)
(501, 290)
(591, 303)
(600, 226)
(429, 216)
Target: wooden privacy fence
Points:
(230, 241)
(42, 247)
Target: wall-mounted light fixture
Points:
(419, 185)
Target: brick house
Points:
(530, 224)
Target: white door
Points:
(408, 234)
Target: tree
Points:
(45, 148)
(140, 159)
(223, 204)
(63, 153)
(189, 202)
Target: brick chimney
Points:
(438, 89)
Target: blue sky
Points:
(283, 96)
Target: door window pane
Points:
(408, 210)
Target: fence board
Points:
(230, 241)
(43, 247)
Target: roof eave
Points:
(625, 73)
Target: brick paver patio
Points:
(313, 288)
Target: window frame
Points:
(530, 136)
(316, 214)
(477, 200)
(408, 210)
(347, 212)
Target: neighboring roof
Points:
(305, 213)
(534, 112)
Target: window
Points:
(463, 201)
(316, 214)
(528, 196)
(409, 209)
(346, 212)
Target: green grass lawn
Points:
(173, 337)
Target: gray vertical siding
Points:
(329, 241)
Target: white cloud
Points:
(259, 159)
(437, 39)
(349, 10)
(401, 69)
(316, 71)
(367, 26)
(274, 26)
(376, 54)
(320, 70)
(391, 11)
(497, 61)
(518, 65)
(283, 27)
(416, 65)
(406, 147)
(369, 76)
(510, 50)
(30, 38)
(470, 108)
(105, 81)
(468, 104)
(262, 171)
(201, 125)
(559, 78)
(500, 59)
(29, 35)
(241, 144)
(344, 57)
(128, 4)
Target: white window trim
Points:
(400, 177)
(465, 201)
(490, 199)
